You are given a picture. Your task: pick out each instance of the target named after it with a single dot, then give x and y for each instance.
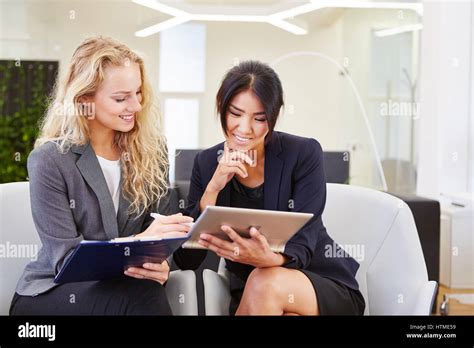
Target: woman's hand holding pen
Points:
(170, 226)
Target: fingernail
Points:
(204, 236)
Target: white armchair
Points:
(17, 228)
(392, 274)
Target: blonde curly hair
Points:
(145, 166)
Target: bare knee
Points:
(277, 291)
(264, 281)
(261, 291)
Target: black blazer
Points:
(294, 181)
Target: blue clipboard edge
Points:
(107, 243)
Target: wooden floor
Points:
(455, 307)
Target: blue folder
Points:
(97, 260)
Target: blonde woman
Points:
(98, 169)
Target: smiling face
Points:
(247, 124)
(118, 99)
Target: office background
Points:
(389, 88)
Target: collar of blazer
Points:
(90, 170)
(272, 178)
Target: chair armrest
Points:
(216, 293)
(181, 293)
(425, 298)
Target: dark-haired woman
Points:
(257, 167)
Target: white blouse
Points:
(111, 170)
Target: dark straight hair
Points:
(262, 80)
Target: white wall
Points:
(446, 113)
(51, 30)
(471, 119)
(310, 85)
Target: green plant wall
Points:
(24, 90)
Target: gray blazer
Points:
(70, 202)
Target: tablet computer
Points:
(277, 226)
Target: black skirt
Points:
(334, 298)
(121, 296)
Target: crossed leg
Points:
(278, 291)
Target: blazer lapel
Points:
(90, 170)
(122, 214)
(273, 169)
(223, 198)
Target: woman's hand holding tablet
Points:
(253, 251)
(251, 236)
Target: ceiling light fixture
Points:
(278, 19)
